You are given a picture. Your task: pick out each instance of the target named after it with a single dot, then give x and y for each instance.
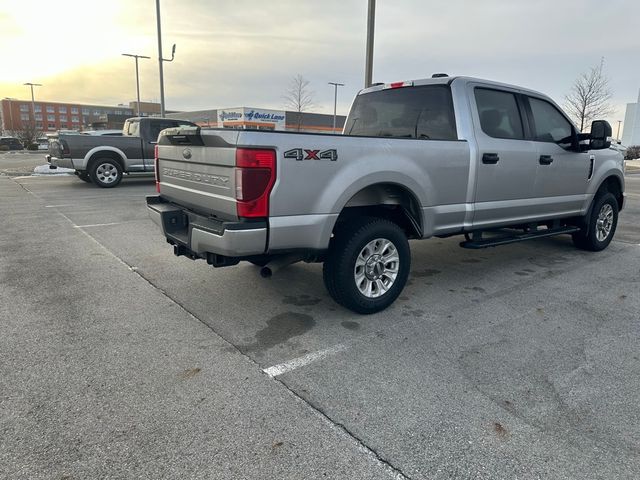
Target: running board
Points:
(520, 237)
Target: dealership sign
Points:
(260, 116)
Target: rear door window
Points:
(424, 112)
(499, 114)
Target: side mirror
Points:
(600, 137)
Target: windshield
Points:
(424, 112)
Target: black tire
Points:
(603, 220)
(84, 176)
(339, 269)
(105, 172)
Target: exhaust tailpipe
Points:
(274, 265)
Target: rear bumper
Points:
(59, 162)
(200, 237)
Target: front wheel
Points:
(602, 225)
(367, 265)
(105, 172)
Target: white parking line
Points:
(99, 225)
(302, 361)
(56, 206)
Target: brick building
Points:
(53, 116)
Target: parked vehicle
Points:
(495, 163)
(10, 143)
(103, 158)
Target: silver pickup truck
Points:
(436, 157)
(103, 159)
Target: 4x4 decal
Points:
(307, 154)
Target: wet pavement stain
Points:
(522, 274)
(500, 430)
(279, 330)
(350, 325)
(190, 373)
(471, 260)
(429, 272)
(476, 289)
(301, 300)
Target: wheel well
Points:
(614, 186)
(385, 200)
(105, 154)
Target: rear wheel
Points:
(105, 172)
(367, 265)
(603, 221)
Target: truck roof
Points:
(446, 80)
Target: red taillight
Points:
(255, 176)
(155, 167)
(399, 84)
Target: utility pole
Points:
(335, 101)
(13, 127)
(33, 101)
(160, 59)
(137, 75)
(371, 20)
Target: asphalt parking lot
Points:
(119, 360)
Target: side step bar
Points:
(476, 241)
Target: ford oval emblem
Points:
(186, 153)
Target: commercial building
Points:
(263, 119)
(53, 116)
(631, 132)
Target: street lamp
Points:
(371, 20)
(33, 102)
(335, 101)
(137, 75)
(160, 59)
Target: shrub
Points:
(633, 152)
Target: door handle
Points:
(546, 159)
(490, 158)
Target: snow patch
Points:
(45, 170)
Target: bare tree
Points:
(590, 97)
(298, 97)
(28, 135)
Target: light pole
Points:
(335, 101)
(33, 101)
(371, 20)
(160, 59)
(10, 113)
(137, 75)
(618, 134)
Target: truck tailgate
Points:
(199, 177)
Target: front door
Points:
(563, 173)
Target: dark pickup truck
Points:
(104, 159)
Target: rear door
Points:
(563, 174)
(506, 159)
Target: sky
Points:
(245, 52)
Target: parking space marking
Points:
(99, 224)
(57, 206)
(285, 367)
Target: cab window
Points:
(422, 112)
(549, 125)
(499, 114)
